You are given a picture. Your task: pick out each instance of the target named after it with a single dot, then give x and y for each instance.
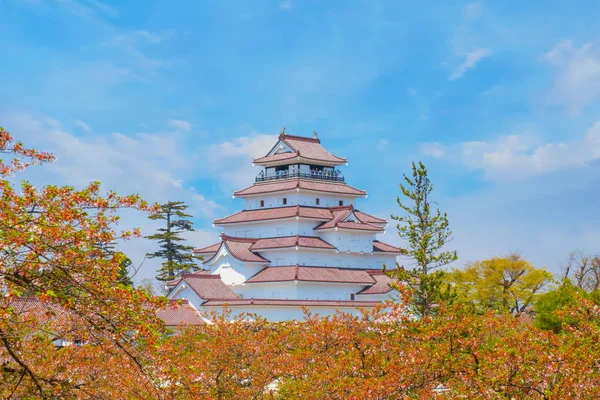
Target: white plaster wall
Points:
(377, 297)
(329, 258)
(298, 198)
(182, 291)
(284, 313)
(274, 228)
(298, 291)
(232, 270)
(354, 241)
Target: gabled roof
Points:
(180, 312)
(265, 214)
(208, 249)
(381, 286)
(290, 241)
(308, 212)
(43, 311)
(312, 274)
(299, 147)
(344, 217)
(370, 219)
(208, 286)
(300, 184)
(239, 248)
(385, 248)
(291, 303)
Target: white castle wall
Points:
(298, 198)
(298, 290)
(393, 295)
(182, 291)
(353, 241)
(273, 228)
(329, 258)
(232, 270)
(273, 313)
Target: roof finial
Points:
(283, 130)
(315, 134)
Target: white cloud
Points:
(470, 61)
(433, 149)
(180, 125)
(516, 156)
(473, 10)
(577, 82)
(155, 165)
(151, 37)
(285, 4)
(382, 144)
(82, 125)
(231, 160)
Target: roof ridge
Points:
(202, 276)
(225, 237)
(283, 136)
(349, 206)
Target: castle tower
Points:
(299, 241)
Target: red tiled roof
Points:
(173, 283)
(340, 214)
(208, 286)
(312, 274)
(381, 286)
(240, 249)
(265, 214)
(300, 183)
(308, 148)
(369, 219)
(291, 241)
(384, 247)
(45, 311)
(291, 303)
(213, 248)
(180, 312)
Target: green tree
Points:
(506, 284)
(123, 273)
(548, 305)
(178, 258)
(426, 232)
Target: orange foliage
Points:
(51, 240)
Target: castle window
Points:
(351, 296)
(262, 203)
(341, 202)
(282, 201)
(317, 201)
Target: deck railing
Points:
(320, 175)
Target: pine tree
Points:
(178, 257)
(426, 233)
(123, 274)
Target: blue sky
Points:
(501, 100)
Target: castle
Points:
(299, 242)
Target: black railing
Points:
(325, 176)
